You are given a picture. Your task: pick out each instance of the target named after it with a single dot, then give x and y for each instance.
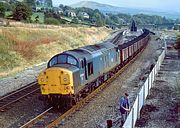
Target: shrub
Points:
(51, 21)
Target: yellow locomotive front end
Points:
(56, 80)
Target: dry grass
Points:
(177, 44)
(22, 47)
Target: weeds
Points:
(23, 47)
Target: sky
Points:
(161, 5)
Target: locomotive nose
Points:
(56, 81)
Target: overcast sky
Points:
(166, 5)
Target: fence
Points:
(141, 96)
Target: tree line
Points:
(22, 11)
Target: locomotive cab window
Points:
(71, 60)
(62, 59)
(53, 61)
(90, 68)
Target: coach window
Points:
(90, 68)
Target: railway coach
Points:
(73, 74)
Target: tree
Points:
(4, 7)
(30, 3)
(49, 3)
(98, 19)
(75, 21)
(2, 10)
(22, 12)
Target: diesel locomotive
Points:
(73, 74)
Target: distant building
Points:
(43, 5)
(57, 10)
(83, 15)
(70, 13)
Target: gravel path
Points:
(105, 105)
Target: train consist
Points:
(74, 74)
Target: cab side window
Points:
(82, 64)
(90, 68)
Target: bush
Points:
(22, 12)
(62, 21)
(52, 21)
(177, 45)
(75, 21)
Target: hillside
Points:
(113, 9)
(22, 47)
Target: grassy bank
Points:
(177, 45)
(22, 47)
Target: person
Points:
(124, 107)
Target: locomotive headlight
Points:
(42, 80)
(65, 79)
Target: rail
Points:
(31, 122)
(17, 95)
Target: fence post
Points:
(151, 78)
(148, 84)
(138, 106)
(132, 118)
(144, 94)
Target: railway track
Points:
(43, 119)
(49, 119)
(117, 38)
(7, 101)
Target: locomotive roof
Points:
(89, 50)
(97, 47)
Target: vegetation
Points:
(177, 45)
(37, 17)
(5, 7)
(52, 21)
(30, 3)
(23, 47)
(22, 12)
